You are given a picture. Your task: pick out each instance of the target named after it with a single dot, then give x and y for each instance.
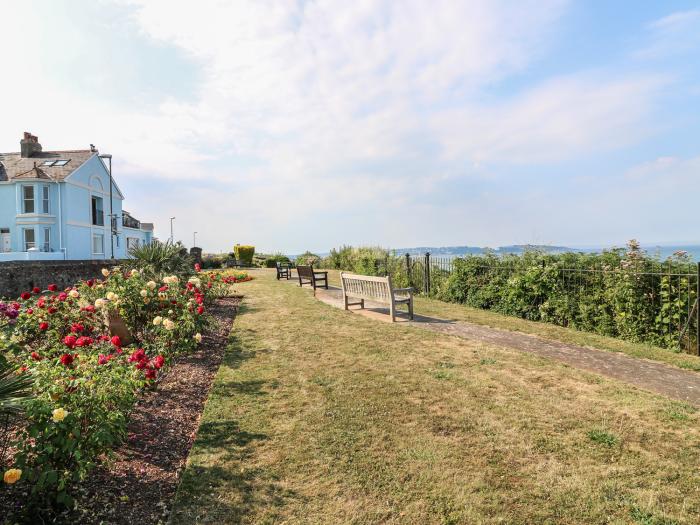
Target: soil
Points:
(138, 484)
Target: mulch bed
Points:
(138, 485)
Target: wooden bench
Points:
(307, 275)
(284, 271)
(377, 289)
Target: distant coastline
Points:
(662, 252)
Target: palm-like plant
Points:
(159, 258)
(14, 389)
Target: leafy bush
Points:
(307, 258)
(271, 262)
(210, 261)
(244, 254)
(85, 379)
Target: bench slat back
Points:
(367, 287)
(307, 272)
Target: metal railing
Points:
(661, 297)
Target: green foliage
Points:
(211, 261)
(271, 261)
(57, 345)
(603, 437)
(618, 293)
(15, 389)
(307, 258)
(161, 258)
(244, 254)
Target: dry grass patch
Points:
(320, 416)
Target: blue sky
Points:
(308, 125)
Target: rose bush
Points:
(90, 350)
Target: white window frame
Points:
(25, 200)
(101, 236)
(45, 199)
(46, 243)
(28, 244)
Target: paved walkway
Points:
(649, 375)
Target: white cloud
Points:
(335, 114)
(674, 34)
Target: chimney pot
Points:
(29, 145)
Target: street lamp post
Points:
(172, 239)
(194, 239)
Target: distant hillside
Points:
(455, 251)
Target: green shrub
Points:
(244, 254)
(211, 261)
(271, 262)
(307, 258)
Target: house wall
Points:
(91, 179)
(69, 218)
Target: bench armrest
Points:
(403, 290)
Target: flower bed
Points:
(90, 350)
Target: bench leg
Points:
(410, 308)
(345, 298)
(392, 311)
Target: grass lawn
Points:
(322, 416)
(458, 312)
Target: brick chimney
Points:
(29, 145)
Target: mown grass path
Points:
(660, 378)
(319, 416)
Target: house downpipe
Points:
(111, 210)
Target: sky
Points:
(298, 125)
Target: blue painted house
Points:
(57, 205)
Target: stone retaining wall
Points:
(19, 276)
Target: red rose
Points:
(141, 364)
(90, 282)
(159, 361)
(52, 310)
(116, 341)
(69, 341)
(53, 287)
(66, 359)
(36, 290)
(16, 306)
(84, 341)
(90, 308)
(25, 295)
(151, 373)
(103, 359)
(30, 311)
(200, 310)
(76, 328)
(163, 288)
(104, 338)
(43, 326)
(62, 296)
(197, 267)
(137, 355)
(35, 356)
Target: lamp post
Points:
(112, 221)
(172, 239)
(194, 239)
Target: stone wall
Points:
(19, 276)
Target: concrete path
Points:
(656, 377)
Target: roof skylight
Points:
(61, 162)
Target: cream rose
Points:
(151, 284)
(198, 337)
(157, 320)
(59, 414)
(168, 324)
(105, 272)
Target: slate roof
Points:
(14, 166)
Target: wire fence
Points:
(644, 301)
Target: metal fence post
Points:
(426, 270)
(408, 269)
